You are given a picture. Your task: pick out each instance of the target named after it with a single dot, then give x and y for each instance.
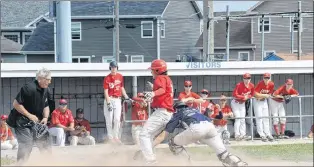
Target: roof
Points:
(20, 13)
(294, 56)
(126, 8)
(255, 6)
(42, 39)
(9, 46)
(240, 32)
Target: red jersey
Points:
(6, 134)
(59, 117)
(283, 91)
(183, 95)
(205, 105)
(164, 100)
(262, 88)
(241, 90)
(222, 122)
(83, 122)
(139, 112)
(114, 84)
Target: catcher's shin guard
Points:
(228, 159)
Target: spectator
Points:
(81, 134)
(139, 112)
(62, 122)
(310, 135)
(277, 107)
(207, 103)
(221, 124)
(7, 139)
(189, 97)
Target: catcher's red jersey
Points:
(261, 87)
(240, 90)
(283, 91)
(114, 84)
(166, 99)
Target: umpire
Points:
(31, 104)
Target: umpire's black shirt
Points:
(33, 98)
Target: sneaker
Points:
(238, 138)
(284, 137)
(264, 139)
(270, 138)
(245, 137)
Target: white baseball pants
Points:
(136, 129)
(220, 129)
(152, 127)
(239, 124)
(60, 135)
(9, 144)
(205, 132)
(86, 140)
(262, 124)
(113, 116)
(277, 109)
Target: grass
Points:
(7, 160)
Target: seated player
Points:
(61, 122)
(7, 139)
(139, 112)
(81, 134)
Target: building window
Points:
(14, 36)
(266, 25)
(244, 56)
(147, 29)
(268, 52)
(26, 36)
(107, 59)
(137, 59)
(81, 59)
(294, 23)
(162, 29)
(76, 29)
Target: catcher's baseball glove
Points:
(287, 98)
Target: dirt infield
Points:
(106, 155)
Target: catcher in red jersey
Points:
(281, 95)
(162, 104)
(242, 92)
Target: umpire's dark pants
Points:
(26, 140)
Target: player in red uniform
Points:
(263, 90)
(162, 104)
(207, 103)
(188, 97)
(113, 90)
(277, 108)
(139, 112)
(242, 92)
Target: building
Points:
(277, 31)
(10, 51)
(92, 32)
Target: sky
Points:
(233, 5)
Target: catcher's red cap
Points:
(246, 75)
(4, 117)
(187, 83)
(289, 81)
(266, 75)
(63, 102)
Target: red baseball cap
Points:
(289, 81)
(63, 102)
(4, 117)
(187, 83)
(246, 75)
(266, 75)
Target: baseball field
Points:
(255, 153)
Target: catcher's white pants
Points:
(113, 116)
(239, 124)
(152, 127)
(9, 144)
(262, 124)
(136, 129)
(86, 140)
(60, 135)
(205, 132)
(277, 109)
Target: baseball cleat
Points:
(264, 139)
(270, 138)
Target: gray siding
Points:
(234, 53)
(279, 37)
(13, 58)
(181, 34)
(40, 58)
(87, 93)
(98, 41)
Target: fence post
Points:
(149, 109)
(252, 123)
(300, 116)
